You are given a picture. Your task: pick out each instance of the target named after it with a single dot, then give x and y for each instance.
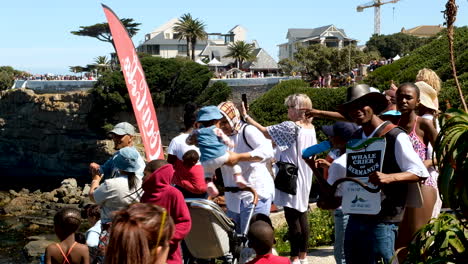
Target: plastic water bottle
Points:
(316, 149)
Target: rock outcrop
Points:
(47, 134)
(25, 213)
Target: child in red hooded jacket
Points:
(158, 190)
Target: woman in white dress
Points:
(290, 137)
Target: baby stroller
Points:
(213, 234)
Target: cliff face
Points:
(47, 135)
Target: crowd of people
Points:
(143, 217)
(56, 77)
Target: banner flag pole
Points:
(137, 87)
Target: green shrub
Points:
(269, 109)
(322, 231)
(449, 93)
(6, 80)
(7, 76)
(173, 81)
(434, 55)
(215, 94)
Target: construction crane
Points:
(376, 5)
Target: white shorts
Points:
(211, 165)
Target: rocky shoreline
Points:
(27, 217)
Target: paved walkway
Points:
(321, 255)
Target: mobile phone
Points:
(244, 100)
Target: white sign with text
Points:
(363, 158)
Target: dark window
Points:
(182, 48)
(153, 49)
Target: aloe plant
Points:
(452, 153)
(444, 240)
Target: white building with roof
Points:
(164, 42)
(329, 36)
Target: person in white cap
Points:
(122, 135)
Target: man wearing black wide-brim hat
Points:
(371, 237)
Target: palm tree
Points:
(191, 30)
(450, 15)
(241, 51)
(102, 63)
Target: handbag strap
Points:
(296, 130)
(297, 146)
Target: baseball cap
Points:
(123, 128)
(340, 129)
(210, 112)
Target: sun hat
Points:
(427, 95)
(207, 113)
(362, 94)
(341, 129)
(127, 159)
(123, 128)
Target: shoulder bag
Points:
(286, 178)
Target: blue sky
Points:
(36, 34)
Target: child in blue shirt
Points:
(213, 145)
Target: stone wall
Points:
(47, 134)
(59, 86)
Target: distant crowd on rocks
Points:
(223, 148)
(56, 77)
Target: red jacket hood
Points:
(160, 178)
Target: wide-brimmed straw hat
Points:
(361, 94)
(427, 95)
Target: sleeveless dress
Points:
(421, 149)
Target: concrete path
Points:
(321, 255)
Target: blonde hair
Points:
(430, 77)
(299, 102)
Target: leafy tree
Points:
(7, 76)
(102, 63)
(6, 80)
(191, 30)
(174, 81)
(350, 56)
(314, 60)
(288, 66)
(241, 51)
(215, 94)
(391, 45)
(101, 31)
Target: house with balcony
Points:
(164, 41)
(329, 36)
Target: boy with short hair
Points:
(261, 239)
